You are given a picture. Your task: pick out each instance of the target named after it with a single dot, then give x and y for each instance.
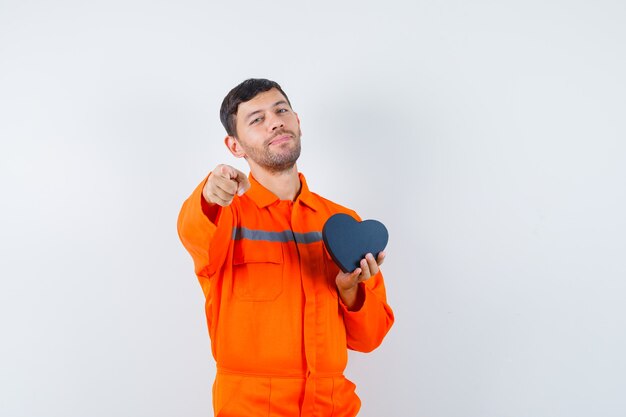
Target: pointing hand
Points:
(223, 183)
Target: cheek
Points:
(253, 141)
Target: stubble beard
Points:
(276, 162)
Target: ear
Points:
(298, 119)
(234, 146)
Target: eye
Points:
(257, 120)
(282, 111)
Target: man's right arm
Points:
(198, 218)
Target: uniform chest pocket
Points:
(257, 270)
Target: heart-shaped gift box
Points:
(348, 240)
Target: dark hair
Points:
(245, 91)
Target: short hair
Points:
(245, 91)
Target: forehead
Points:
(261, 101)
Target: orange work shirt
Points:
(279, 331)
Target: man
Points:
(280, 313)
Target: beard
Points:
(276, 160)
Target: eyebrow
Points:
(278, 103)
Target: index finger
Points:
(230, 173)
(227, 172)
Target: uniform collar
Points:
(306, 196)
(264, 197)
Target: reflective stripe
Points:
(309, 237)
(283, 237)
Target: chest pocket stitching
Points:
(257, 271)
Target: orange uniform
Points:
(279, 331)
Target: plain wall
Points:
(488, 136)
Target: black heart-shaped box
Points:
(348, 240)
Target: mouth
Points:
(280, 139)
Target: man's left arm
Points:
(367, 316)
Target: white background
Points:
(487, 135)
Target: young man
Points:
(281, 315)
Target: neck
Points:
(284, 184)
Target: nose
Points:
(275, 122)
